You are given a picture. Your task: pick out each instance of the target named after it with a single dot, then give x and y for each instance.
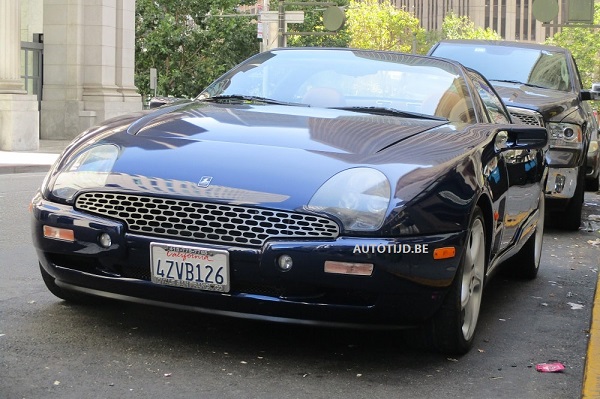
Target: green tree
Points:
(313, 22)
(584, 44)
(461, 27)
(190, 43)
(374, 24)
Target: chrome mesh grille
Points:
(207, 222)
(526, 117)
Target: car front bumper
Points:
(561, 183)
(406, 287)
(563, 169)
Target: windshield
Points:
(350, 79)
(546, 69)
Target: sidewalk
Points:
(32, 161)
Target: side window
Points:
(493, 105)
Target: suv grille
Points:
(526, 117)
(208, 222)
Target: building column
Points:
(125, 61)
(19, 127)
(510, 20)
(89, 64)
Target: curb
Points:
(591, 372)
(11, 169)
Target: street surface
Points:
(51, 349)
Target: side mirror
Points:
(593, 95)
(522, 137)
(595, 91)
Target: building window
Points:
(533, 27)
(503, 19)
(518, 21)
(526, 35)
(495, 19)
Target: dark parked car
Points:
(328, 186)
(541, 86)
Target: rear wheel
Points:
(452, 329)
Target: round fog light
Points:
(105, 240)
(285, 262)
(569, 133)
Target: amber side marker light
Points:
(356, 269)
(444, 253)
(59, 234)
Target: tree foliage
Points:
(313, 22)
(190, 43)
(461, 27)
(584, 44)
(374, 24)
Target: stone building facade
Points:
(88, 67)
(512, 19)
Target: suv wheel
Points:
(570, 218)
(593, 184)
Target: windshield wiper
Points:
(240, 98)
(518, 83)
(392, 112)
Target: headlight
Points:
(88, 169)
(565, 135)
(358, 197)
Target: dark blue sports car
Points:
(330, 186)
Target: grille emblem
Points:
(205, 181)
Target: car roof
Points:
(507, 43)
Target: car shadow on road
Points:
(132, 327)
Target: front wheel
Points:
(593, 184)
(570, 219)
(452, 329)
(526, 263)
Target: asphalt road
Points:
(51, 349)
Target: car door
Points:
(521, 168)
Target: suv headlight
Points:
(358, 197)
(565, 135)
(88, 169)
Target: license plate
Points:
(190, 267)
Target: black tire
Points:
(570, 218)
(526, 263)
(452, 329)
(69, 296)
(593, 184)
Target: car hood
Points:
(554, 105)
(276, 156)
(278, 126)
